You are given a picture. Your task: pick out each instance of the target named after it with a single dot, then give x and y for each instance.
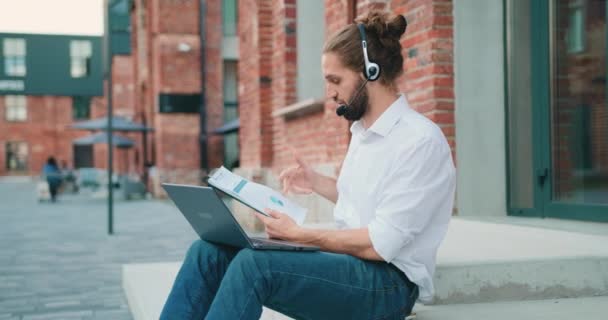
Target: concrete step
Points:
(147, 297)
(147, 287)
(481, 262)
(592, 308)
(478, 262)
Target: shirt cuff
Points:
(386, 239)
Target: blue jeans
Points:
(226, 283)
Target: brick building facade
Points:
(173, 81)
(47, 82)
(523, 82)
(267, 78)
(277, 118)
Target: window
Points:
(229, 17)
(80, 55)
(14, 57)
(16, 156)
(309, 45)
(230, 90)
(81, 108)
(16, 108)
(575, 37)
(179, 103)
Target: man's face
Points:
(341, 85)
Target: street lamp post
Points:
(107, 50)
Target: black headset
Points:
(372, 69)
(371, 72)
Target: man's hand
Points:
(280, 225)
(298, 179)
(302, 179)
(355, 242)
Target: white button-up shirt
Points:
(398, 180)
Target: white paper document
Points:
(255, 195)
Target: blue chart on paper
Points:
(276, 201)
(240, 186)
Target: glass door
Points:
(573, 121)
(557, 108)
(579, 112)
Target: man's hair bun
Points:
(378, 22)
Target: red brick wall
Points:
(175, 72)
(255, 82)
(47, 131)
(140, 51)
(159, 29)
(177, 16)
(428, 51)
(178, 72)
(336, 128)
(267, 141)
(123, 86)
(322, 138)
(283, 77)
(123, 104)
(214, 96)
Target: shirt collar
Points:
(387, 120)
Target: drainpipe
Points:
(202, 110)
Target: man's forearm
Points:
(325, 187)
(355, 242)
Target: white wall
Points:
(480, 107)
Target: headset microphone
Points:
(341, 110)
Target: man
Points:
(394, 199)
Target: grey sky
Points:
(84, 17)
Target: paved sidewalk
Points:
(57, 261)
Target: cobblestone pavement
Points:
(58, 262)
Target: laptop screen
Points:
(244, 216)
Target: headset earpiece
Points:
(372, 69)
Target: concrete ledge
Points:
(521, 280)
(593, 308)
(148, 285)
(481, 262)
(300, 109)
(478, 262)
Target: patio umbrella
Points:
(102, 137)
(118, 124)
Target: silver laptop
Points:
(212, 220)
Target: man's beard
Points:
(358, 107)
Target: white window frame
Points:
(21, 153)
(15, 108)
(80, 56)
(14, 51)
(577, 20)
